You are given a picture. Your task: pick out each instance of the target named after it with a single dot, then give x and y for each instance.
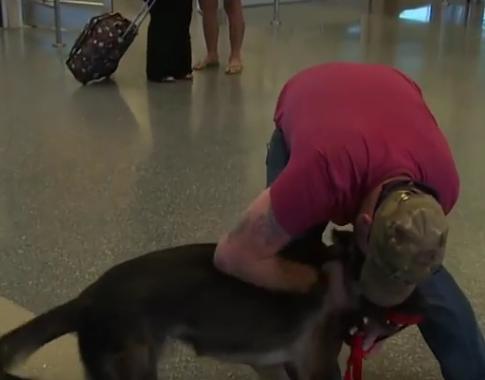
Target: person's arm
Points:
(249, 251)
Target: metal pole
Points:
(276, 13)
(57, 21)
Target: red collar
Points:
(357, 352)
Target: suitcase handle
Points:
(140, 17)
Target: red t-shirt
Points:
(349, 127)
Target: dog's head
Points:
(376, 322)
(344, 252)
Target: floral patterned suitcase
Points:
(105, 39)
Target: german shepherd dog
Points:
(123, 319)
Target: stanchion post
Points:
(57, 22)
(276, 13)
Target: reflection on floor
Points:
(93, 175)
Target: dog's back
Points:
(124, 316)
(179, 293)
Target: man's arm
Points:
(250, 250)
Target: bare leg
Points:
(211, 33)
(236, 34)
(271, 373)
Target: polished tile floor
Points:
(90, 176)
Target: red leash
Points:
(404, 319)
(357, 352)
(357, 356)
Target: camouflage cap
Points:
(407, 244)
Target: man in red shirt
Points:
(356, 143)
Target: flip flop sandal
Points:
(234, 69)
(187, 77)
(205, 65)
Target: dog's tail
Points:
(28, 338)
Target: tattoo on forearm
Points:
(270, 226)
(263, 227)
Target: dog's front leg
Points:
(272, 373)
(318, 358)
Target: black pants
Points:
(169, 50)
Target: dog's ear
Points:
(306, 250)
(342, 239)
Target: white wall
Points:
(12, 13)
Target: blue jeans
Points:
(450, 327)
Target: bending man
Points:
(356, 143)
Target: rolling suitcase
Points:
(98, 50)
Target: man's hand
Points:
(249, 251)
